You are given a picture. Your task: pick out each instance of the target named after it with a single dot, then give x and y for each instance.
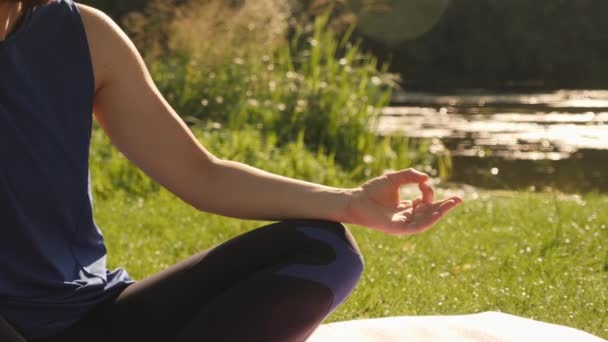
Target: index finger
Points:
(409, 176)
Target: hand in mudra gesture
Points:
(376, 204)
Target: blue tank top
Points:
(52, 254)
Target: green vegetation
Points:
(243, 73)
(114, 174)
(480, 43)
(305, 89)
(305, 107)
(299, 101)
(542, 256)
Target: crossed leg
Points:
(275, 283)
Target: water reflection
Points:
(572, 99)
(557, 139)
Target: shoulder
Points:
(95, 19)
(108, 43)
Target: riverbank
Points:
(541, 256)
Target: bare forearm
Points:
(237, 190)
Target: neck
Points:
(10, 12)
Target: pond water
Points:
(509, 140)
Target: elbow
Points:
(201, 190)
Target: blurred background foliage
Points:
(288, 86)
(317, 73)
(475, 43)
(517, 43)
(263, 71)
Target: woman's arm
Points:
(148, 131)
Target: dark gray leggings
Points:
(275, 283)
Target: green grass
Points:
(307, 114)
(542, 256)
(539, 256)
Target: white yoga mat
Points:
(481, 327)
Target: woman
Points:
(61, 61)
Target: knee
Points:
(334, 234)
(348, 256)
(343, 272)
(341, 240)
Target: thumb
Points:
(408, 176)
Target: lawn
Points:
(303, 108)
(542, 256)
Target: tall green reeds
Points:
(303, 89)
(313, 95)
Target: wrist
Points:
(345, 212)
